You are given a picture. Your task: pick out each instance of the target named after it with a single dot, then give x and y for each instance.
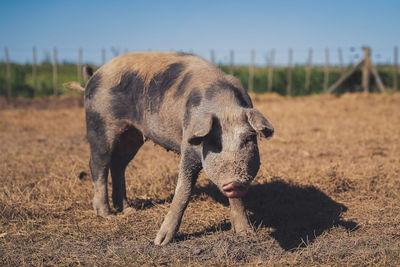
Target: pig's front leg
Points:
(190, 167)
(240, 223)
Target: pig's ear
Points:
(259, 123)
(199, 126)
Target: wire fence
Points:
(41, 71)
(97, 56)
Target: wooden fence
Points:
(366, 64)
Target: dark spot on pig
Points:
(96, 136)
(213, 141)
(220, 87)
(127, 97)
(92, 86)
(191, 163)
(211, 92)
(194, 100)
(95, 126)
(160, 83)
(165, 142)
(182, 85)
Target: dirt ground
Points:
(327, 193)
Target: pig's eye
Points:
(250, 139)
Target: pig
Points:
(184, 104)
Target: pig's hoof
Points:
(102, 211)
(242, 229)
(164, 237)
(103, 214)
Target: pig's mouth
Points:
(234, 190)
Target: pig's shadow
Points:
(297, 214)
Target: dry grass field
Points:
(327, 193)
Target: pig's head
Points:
(228, 144)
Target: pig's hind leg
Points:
(100, 156)
(125, 148)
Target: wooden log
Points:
(289, 74)
(212, 56)
(344, 77)
(8, 72)
(308, 71)
(378, 80)
(326, 70)
(271, 70)
(79, 65)
(251, 71)
(34, 72)
(395, 68)
(55, 71)
(365, 69)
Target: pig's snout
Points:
(234, 190)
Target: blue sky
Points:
(199, 26)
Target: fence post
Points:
(289, 77)
(251, 71)
(79, 65)
(395, 68)
(55, 72)
(212, 56)
(308, 71)
(326, 70)
(365, 70)
(231, 62)
(8, 72)
(103, 56)
(271, 70)
(34, 72)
